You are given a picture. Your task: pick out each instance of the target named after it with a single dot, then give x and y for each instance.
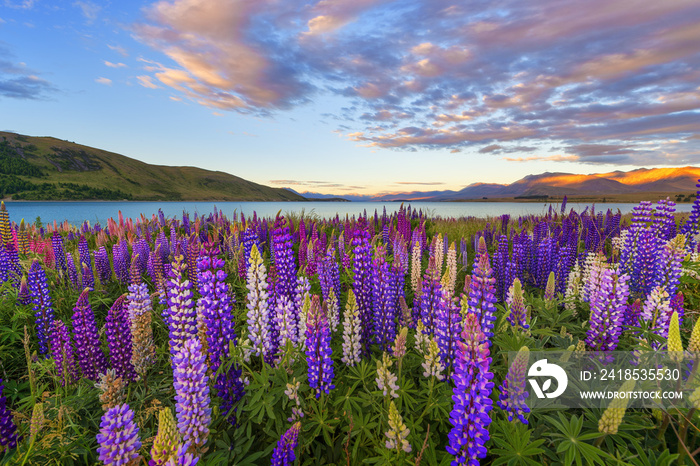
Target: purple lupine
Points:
(677, 304)
(58, 251)
(8, 430)
(24, 297)
(118, 332)
(91, 360)
(119, 437)
(283, 454)
(283, 257)
(516, 303)
(72, 271)
(43, 307)
(318, 349)
(143, 250)
(429, 299)
(471, 395)
(104, 270)
(182, 457)
(481, 294)
(85, 264)
(514, 389)
(250, 238)
(192, 394)
(384, 301)
(631, 314)
(329, 274)
(668, 268)
(608, 302)
(285, 323)
(180, 314)
(62, 353)
(362, 282)
(230, 389)
(447, 331)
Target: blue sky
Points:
(361, 96)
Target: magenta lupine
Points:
(62, 353)
(384, 299)
(85, 264)
(180, 315)
(192, 394)
(8, 430)
(118, 332)
(43, 307)
(481, 294)
(471, 395)
(119, 437)
(608, 303)
(258, 311)
(91, 360)
(283, 454)
(514, 388)
(318, 349)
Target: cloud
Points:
(105, 81)
(485, 78)
(114, 65)
(147, 81)
(119, 49)
(17, 81)
(422, 183)
(89, 10)
(20, 4)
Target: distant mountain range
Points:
(46, 168)
(671, 181)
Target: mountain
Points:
(46, 168)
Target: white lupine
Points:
(332, 305)
(422, 340)
(573, 289)
(450, 278)
(439, 252)
(416, 268)
(284, 320)
(258, 311)
(303, 313)
(386, 380)
(351, 332)
(591, 274)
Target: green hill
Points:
(46, 168)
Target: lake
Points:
(77, 212)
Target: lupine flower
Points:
(448, 326)
(383, 299)
(62, 353)
(182, 457)
(608, 303)
(286, 321)
(386, 380)
(573, 289)
(351, 332)
(5, 227)
(118, 332)
(422, 340)
(362, 283)
(104, 270)
(450, 278)
(694, 342)
(8, 430)
(86, 263)
(180, 314)
(167, 441)
(119, 437)
(23, 296)
(514, 389)
(516, 304)
(481, 294)
(657, 311)
(318, 349)
(430, 298)
(668, 264)
(471, 397)
(258, 313)
(292, 393)
(283, 455)
(58, 251)
(87, 343)
(399, 347)
(549, 289)
(111, 389)
(72, 271)
(612, 417)
(438, 252)
(36, 421)
(397, 432)
(192, 394)
(416, 253)
(432, 364)
(140, 316)
(43, 308)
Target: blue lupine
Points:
(43, 307)
(608, 303)
(283, 454)
(192, 394)
(8, 430)
(58, 251)
(362, 282)
(514, 389)
(318, 349)
(180, 314)
(104, 270)
(118, 333)
(85, 264)
(447, 331)
(429, 299)
(119, 437)
(481, 293)
(91, 360)
(471, 395)
(62, 353)
(384, 301)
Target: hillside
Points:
(46, 168)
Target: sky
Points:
(361, 96)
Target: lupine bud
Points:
(119, 437)
(399, 348)
(283, 455)
(514, 390)
(675, 346)
(167, 441)
(549, 289)
(612, 417)
(694, 343)
(37, 421)
(397, 432)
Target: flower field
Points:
(376, 339)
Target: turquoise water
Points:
(77, 212)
